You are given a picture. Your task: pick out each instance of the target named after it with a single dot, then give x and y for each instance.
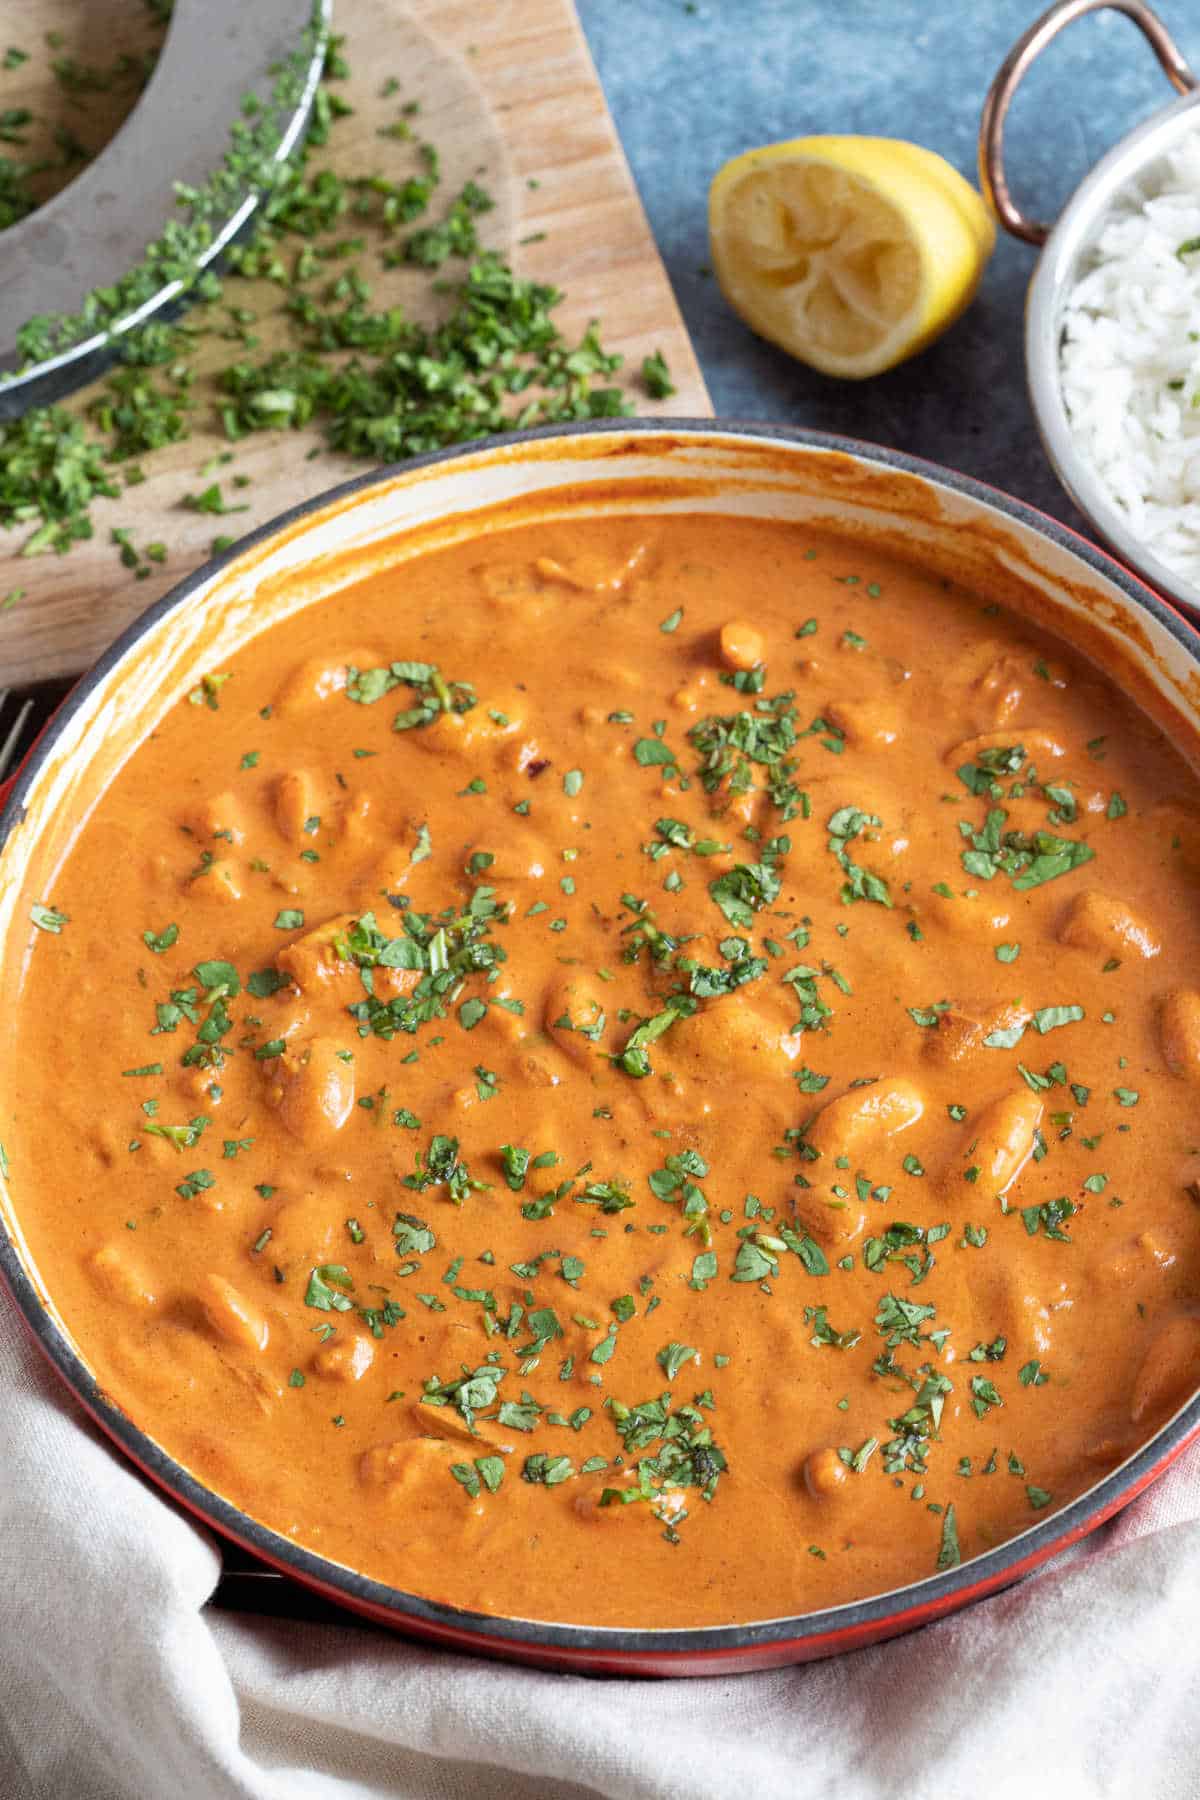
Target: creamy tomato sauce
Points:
(639, 1073)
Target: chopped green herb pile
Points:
(377, 383)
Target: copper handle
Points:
(992, 177)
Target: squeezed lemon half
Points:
(851, 253)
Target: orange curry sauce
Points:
(664, 1096)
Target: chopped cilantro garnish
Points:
(46, 918)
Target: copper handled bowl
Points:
(1067, 247)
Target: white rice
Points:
(1130, 360)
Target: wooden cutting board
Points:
(508, 94)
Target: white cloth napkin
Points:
(117, 1684)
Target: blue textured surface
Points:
(690, 88)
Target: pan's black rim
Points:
(854, 1620)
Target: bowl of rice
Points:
(1112, 334)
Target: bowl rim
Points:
(851, 1622)
(1074, 233)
